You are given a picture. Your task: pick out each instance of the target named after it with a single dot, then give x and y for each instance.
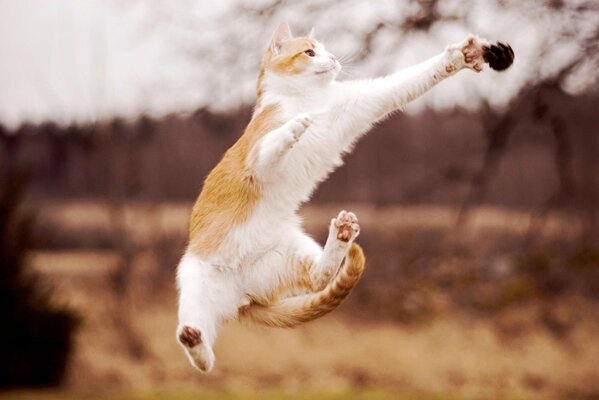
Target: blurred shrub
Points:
(37, 336)
(585, 259)
(517, 290)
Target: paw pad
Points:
(190, 337)
(472, 50)
(346, 225)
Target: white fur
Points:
(326, 117)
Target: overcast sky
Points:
(73, 60)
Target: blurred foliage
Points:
(37, 335)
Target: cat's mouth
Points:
(326, 71)
(335, 67)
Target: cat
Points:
(247, 255)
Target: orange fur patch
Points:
(305, 281)
(276, 312)
(291, 60)
(230, 191)
(300, 285)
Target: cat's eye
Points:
(310, 52)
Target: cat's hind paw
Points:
(190, 337)
(198, 352)
(345, 226)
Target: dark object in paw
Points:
(499, 56)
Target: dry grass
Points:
(261, 395)
(451, 355)
(454, 352)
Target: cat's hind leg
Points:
(206, 299)
(322, 264)
(343, 230)
(328, 275)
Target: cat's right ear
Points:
(281, 35)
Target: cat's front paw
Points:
(345, 226)
(299, 124)
(467, 54)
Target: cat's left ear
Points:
(281, 35)
(311, 33)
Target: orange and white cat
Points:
(248, 256)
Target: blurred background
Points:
(479, 205)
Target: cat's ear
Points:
(311, 33)
(281, 35)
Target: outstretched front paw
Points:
(345, 226)
(474, 52)
(467, 54)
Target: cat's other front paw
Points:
(299, 124)
(345, 226)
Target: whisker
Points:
(349, 57)
(349, 67)
(346, 63)
(347, 73)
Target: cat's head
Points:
(300, 59)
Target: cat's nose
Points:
(332, 57)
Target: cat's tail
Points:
(291, 311)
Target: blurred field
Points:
(414, 325)
(361, 395)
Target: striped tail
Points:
(291, 311)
